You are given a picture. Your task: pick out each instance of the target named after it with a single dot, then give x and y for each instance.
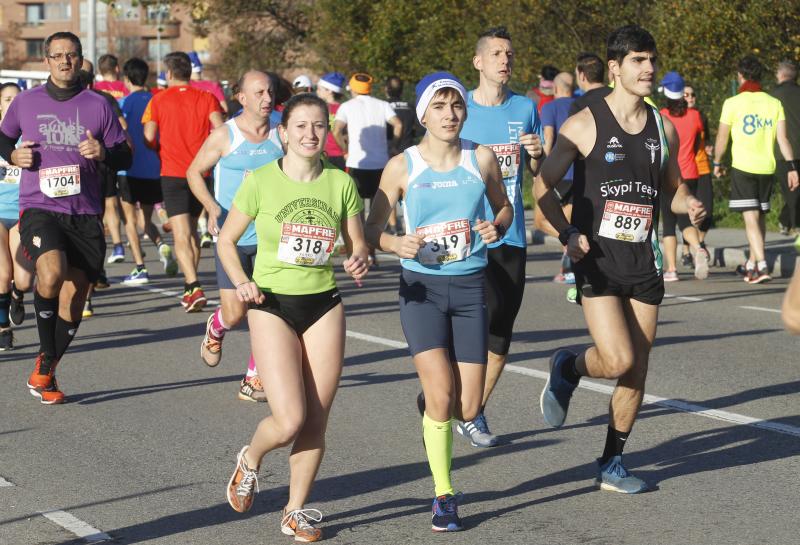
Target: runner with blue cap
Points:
(444, 183)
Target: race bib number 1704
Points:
(58, 182)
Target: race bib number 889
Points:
(626, 222)
(307, 245)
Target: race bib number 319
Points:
(306, 245)
(626, 222)
(58, 182)
(445, 242)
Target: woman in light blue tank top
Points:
(444, 183)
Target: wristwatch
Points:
(563, 236)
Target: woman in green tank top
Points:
(300, 204)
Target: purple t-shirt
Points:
(61, 180)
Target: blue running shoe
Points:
(445, 514)
(615, 478)
(117, 255)
(556, 394)
(137, 276)
(477, 431)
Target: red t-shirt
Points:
(690, 129)
(182, 115)
(116, 89)
(332, 149)
(210, 87)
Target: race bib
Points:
(445, 242)
(508, 157)
(626, 222)
(9, 174)
(58, 182)
(307, 245)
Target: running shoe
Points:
(16, 312)
(102, 281)
(206, 240)
(169, 263)
(554, 401)
(44, 386)
(298, 523)
(572, 295)
(783, 229)
(701, 262)
(251, 389)
(194, 301)
(686, 261)
(613, 477)
(560, 278)
(671, 276)
(758, 276)
(242, 485)
(445, 514)
(137, 276)
(477, 431)
(88, 309)
(117, 254)
(211, 347)
(6, 339)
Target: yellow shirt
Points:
(753, 118)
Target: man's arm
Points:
(397, 127)
(720, 147)
(340, 134)
(549, 135)
(788, 154)
(209, 155)
(150, 132)
(216, 119)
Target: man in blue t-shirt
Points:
(509, 124)
(142, 182)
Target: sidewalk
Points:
(728, 248)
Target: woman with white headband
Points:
(443, 182)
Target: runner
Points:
(299, 204)
(444, 183)
(235, 149)
(788, 92)
(108, 65)
(755, 121)
(141, 183)
(509, 124)
(196, 80)
(12, 274)
(329, 89)
(66, 131)
(689, 127)
(176, 123)
(626, 162)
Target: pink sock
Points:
(251, 367)
(218, 328)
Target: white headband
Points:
(330, 86)
(430, 90)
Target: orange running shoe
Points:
(194, 301)
(240, 491)
(44, 385)
(297, 523)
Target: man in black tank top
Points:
(625, 162)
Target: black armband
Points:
(794, 164)
(7, 146)
(119, 157)
(563, 236)
(501, 229)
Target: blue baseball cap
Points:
(672, 85)
(197, 66)
(333, 81)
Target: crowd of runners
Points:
(278, 175)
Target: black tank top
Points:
(616, 193)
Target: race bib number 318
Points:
(445, 242)
(625, 221)
(306, 245)
(58, 182)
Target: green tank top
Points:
(297, 224)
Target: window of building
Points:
(157, 13)
(34, 14)
(101, 10)
(153, 51)
(34, 49)
(58, 11)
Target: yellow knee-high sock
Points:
(439, 448)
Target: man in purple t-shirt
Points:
(65, 132)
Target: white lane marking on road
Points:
(76, 526)
(676, 404)
(762, 309)
(683, 298)
(4, 482)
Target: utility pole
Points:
(91, 30)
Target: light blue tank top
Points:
(243, 157)
(443, 207)
(9, 190)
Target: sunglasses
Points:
(687, 95)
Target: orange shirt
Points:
(182, 115)
(690, 129)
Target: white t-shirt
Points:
(366, 119)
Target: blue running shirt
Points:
(243, 157)
(498, 127)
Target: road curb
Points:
(782, 264)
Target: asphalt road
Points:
(143, 450)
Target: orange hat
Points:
(361, 83)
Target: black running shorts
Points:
(505, 286)
(179, 199)
(367, 181)
(596, 284)
(300, 312)
(80, 237)
(750, 191)
(141, 190)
